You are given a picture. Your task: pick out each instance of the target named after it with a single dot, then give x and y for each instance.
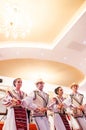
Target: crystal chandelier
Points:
(14, 22)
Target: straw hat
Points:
(74, 84)
(39, 81)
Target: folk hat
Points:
(39, 81)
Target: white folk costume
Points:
(78, 117)
(40, 98)
(17, 115)
(60, 117)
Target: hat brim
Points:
(40, 82)
(74, 85)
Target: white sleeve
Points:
(53, 106)
(27, 102)
(7, 101)
(67, 105)
(67, 101)
(32, 95)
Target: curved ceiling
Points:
(50, 72)
(57, 35)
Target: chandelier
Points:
(14, 21)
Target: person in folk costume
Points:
(60, 117)
(76, 104)
(17, 115)
(40, 98)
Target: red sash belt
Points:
(20, 118)
(65, 121)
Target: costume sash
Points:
(65, 121)
(20, 118)
(20, 115)
(76, 102)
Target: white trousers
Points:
(74, 124)
(58, 122)
(42, 123)
(82, 122)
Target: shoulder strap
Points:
(11, 95)
(34, 95)
(73, 98)
(37, 93)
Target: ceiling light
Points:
(14, 22)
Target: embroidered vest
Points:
(41, 101)
(77, 102)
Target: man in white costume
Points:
(75, 103)
(40, 98)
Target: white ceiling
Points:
(70, 48)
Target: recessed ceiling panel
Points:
(50, 72)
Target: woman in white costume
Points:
(17, 115)
(60, 117)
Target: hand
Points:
(80, 108)
(44, 109)
(15, 102)
(60, 106)
(18, 102)
(37, 110)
